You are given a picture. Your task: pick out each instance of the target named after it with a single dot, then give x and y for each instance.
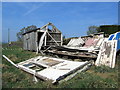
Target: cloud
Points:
(32, 8)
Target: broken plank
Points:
(80, 56)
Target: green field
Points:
(95, 77)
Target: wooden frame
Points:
(61, 68)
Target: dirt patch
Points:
(106, 75)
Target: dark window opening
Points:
(39, 36)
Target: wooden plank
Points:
(53, 39)
(62, 48)
(40, 64)
(36, 39)
(42, 77)
(41, 40)
(86, 67)
(71, 72)
(33, 72)
(71, 55)
(107, 54)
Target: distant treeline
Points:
(109, 29)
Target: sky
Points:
(71, 18)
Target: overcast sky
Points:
(72, 19)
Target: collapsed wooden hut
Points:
(46, 36)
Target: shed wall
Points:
(29, 41)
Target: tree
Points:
(23, 30)
(93, 30)
(29, 28)
(109, 29)
(19, 34)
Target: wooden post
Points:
(36, 38)
(41, 40)
(45, 40)
(10, 61)
(53, 38)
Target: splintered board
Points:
(107, 54)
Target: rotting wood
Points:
(107, 54)
(72, 55)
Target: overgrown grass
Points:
(89, 80)
(95, 77)
(104, 69)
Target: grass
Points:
(95, 77)
(89, 80)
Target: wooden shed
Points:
(46, 36)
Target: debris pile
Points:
(95, 48)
